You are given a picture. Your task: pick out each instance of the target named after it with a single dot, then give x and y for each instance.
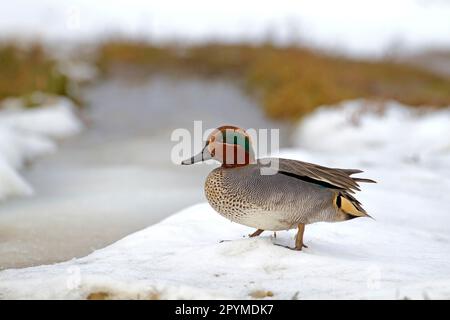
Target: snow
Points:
(11, 183)
(403, 253)
(56, 120)
(377, 128)
(29, 133)
(382, 26)
(78, 71)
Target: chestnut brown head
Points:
(229, 145)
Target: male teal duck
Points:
(297, 194)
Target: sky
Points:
(361, 27)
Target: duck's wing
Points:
(333, 178)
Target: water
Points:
(117, 177)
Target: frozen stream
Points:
(116, 177)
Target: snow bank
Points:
(55, 120)
(367, 129)
(11, 183)
(28, 133)
(404, 253)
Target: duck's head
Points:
(229, 145)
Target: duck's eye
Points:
(213, 152)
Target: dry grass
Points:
(290, 81)
(100, 295)
(261, 294)
(26, 70)
(110, 295)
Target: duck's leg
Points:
(256, 233)
(299, 238)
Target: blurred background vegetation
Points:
(27, 69)
(289, 81)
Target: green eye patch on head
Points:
(237, 138)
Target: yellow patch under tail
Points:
(348, 207)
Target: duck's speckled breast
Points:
(274, 202)
(226, 199)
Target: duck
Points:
(291, 196)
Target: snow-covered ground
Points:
(403, 253)
(28, 133)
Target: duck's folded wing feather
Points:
(330, 177)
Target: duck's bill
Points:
(200, 157)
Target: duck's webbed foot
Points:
(256, 233)
(290, 248)
(299, 249)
